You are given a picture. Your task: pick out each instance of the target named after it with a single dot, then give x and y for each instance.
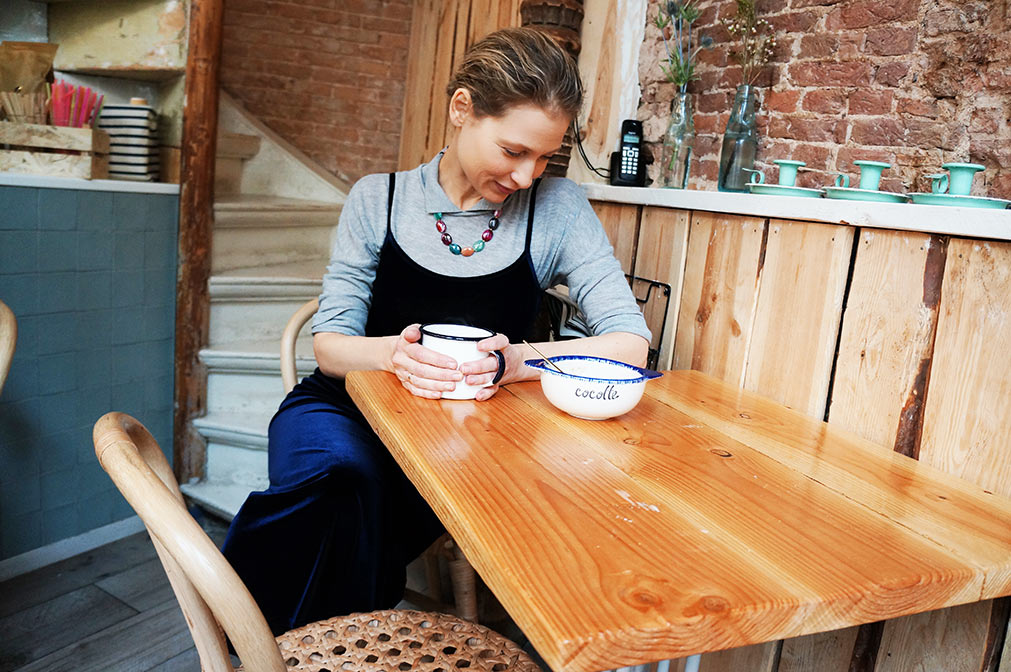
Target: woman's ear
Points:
(460, 107)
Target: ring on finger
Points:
(410, 378)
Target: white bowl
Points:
(592, 388)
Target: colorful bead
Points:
(447, 239)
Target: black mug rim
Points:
(450, 337)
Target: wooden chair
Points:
(216, 603)
(8, 338)
(462, 575)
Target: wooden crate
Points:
(38, 149)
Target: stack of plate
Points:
(133, 136)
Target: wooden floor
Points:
(110, 609)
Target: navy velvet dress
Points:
(335, 530)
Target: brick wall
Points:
(327, 75)
(916, 83)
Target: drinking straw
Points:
(98, 110)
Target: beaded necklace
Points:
(447, 239)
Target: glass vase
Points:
(678, 142)
(740, 141)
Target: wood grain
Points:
(888, 337)
(662, 254)
(936, 640)
(621, 224)
(54, 137)
(719, 295)
(685, 537)
(880, 384)
(196, 222)
(85, 166)
(966, 427)
(797, 317)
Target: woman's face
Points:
(502, 154)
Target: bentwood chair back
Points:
(216, 602)
(289, 375)
(8, 339)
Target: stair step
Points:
(237, 145)
(256, 303)
(221, 499)
(252, 231)
(242, 430)
(247, 383)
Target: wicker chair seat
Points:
(400, 640)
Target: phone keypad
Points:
(630, 160)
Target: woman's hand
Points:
(485, 370)
(427, 373)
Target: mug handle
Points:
(757, 176)
(501, 366)
(842, 180)
(939, 183)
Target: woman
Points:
(471, 237)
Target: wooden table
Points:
(704, 519)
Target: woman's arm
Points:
(622, 346)
(424, 372)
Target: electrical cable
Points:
(606, 174)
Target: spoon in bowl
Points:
(543, 357)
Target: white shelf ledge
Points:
(944, 220)
(49, 182)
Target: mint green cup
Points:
(960, 177)
(788, 171)
(870, 173)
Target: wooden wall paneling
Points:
(441, 31)
(421, 83)
(660, 255)
(621, 224)
(757, 658)
(878, 388)
(966, 432)
(798, 313)
(719, 292)
(824, 651)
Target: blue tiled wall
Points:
(90, 276)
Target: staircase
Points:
(275, 215)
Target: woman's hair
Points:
(516, 66)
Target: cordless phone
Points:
(626, 164)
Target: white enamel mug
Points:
(459, 341)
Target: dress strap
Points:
(389, 201)
(530, 217)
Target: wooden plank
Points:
(887, 338)
(621, 224)
(163, 631)
(936, 640)
(47, 583)
(196, 220)
(879, 386)
(85, 166)
(141, 587)
(825, 652)
(966, 428)
(187, 661)
(661, 254)
(54, 137)
(39, 630)
(757, 658)
(797, 318)
(420, 84)
(967, 421)
(719, 295)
